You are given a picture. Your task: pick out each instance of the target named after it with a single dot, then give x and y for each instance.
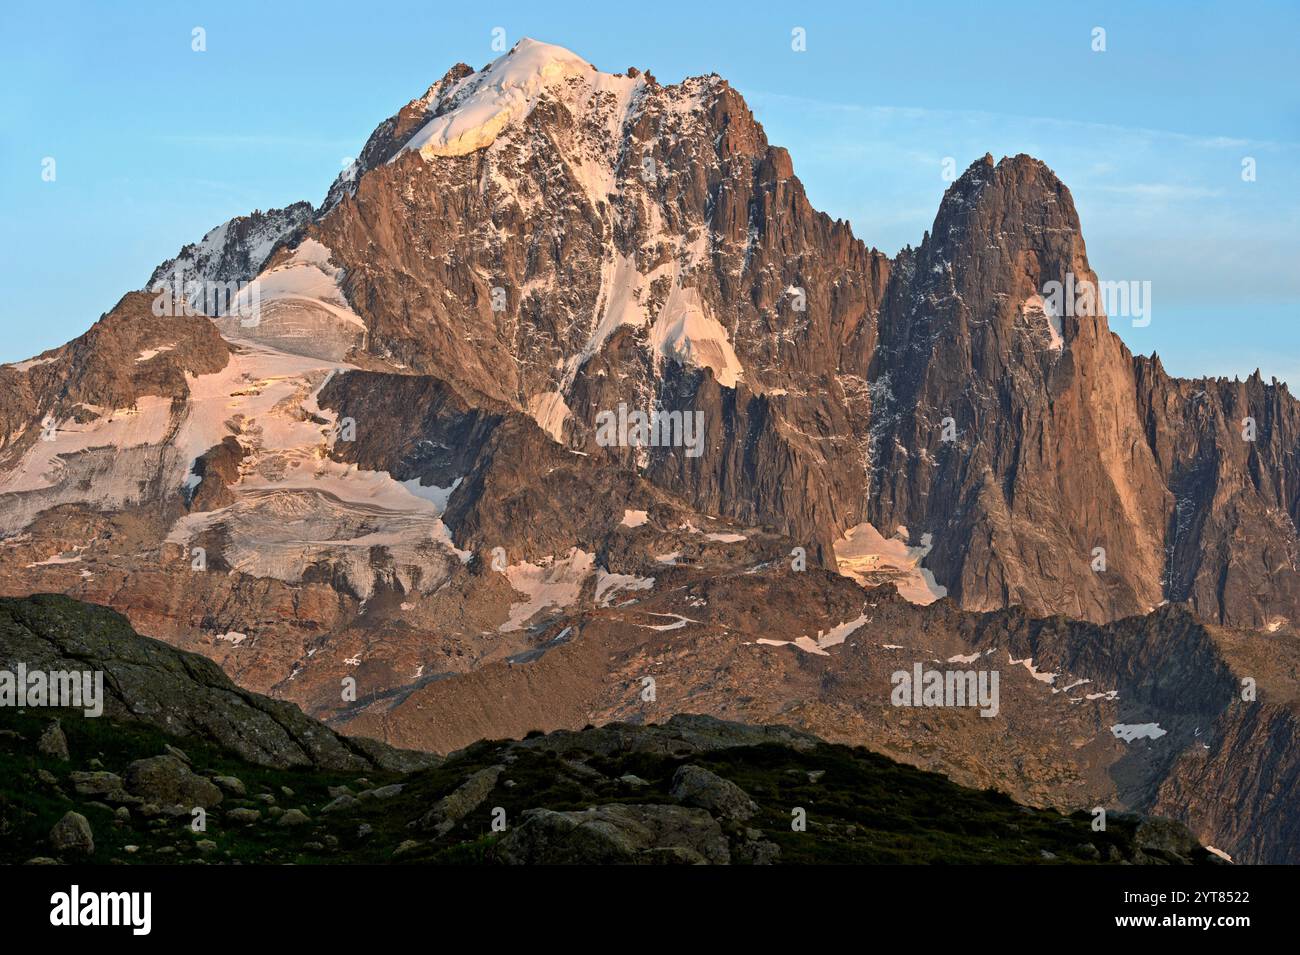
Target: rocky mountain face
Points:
(1123, 716)
(1063, 442)
(1049, 459)
(234, 251)
(123, 787)
(404, 452)
(680, 266)
(1230, 543)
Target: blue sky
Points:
(154, 143)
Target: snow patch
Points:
(1038, 311)
(728, 538)
(834, 637)
(969, 657)
(30, 363)
(634, 518)
(149, 353)
(438, 496)
(299, 307)
(679, 623)
(48, 463)
(1128, 732)
(1028, 664)
(609, 585)
(869, 558)
(56, 559)
(549, 410)
(552, 583)
(685, 332)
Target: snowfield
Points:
(863, 552)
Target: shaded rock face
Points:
(216, 470)
(1240, 781)
(417, 426)
(1230, 537)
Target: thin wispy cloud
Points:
(1161, 191)
(246, 140)
(984, 116)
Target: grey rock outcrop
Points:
(615, 835)
(697, 786)
(467, 797)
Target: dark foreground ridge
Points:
(176, 736)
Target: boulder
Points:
(697, 786)
(406, 848)
(167, 781)
(95, 784)
(342, 803)
(230, 785)
(52, 742)
(383, 792)
(1164, 840)
(293, 817)
(463, 800)
(72, 834)
(615, 834)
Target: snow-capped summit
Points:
(475, 110)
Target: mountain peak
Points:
(1018, 194)
(474, 111)
(538, 50)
